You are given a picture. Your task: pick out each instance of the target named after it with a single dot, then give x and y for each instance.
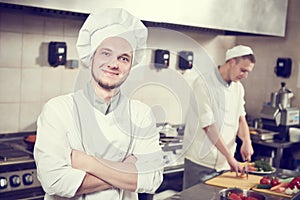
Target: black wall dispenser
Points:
(57, 53)
(283, 67)
(162, 58)
(185, 59)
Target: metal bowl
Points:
(248, 193)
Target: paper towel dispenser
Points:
(283, 67)
(57, 53)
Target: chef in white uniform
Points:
(217, 118)
(96, 143)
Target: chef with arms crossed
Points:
(96, 143)
(217, 117)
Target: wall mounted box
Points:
(185, 59)
(283, 67)
(162, 58)
(57, 53)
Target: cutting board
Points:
(271, 192)
(229, 180)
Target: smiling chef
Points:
(96, 143)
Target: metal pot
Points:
(247, 193)
(273, 99)
(282, 98)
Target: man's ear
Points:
(232, 61)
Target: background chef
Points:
(217, 118)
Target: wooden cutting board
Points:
(271, 192)
(229, 180)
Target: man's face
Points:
(111, 62)
(240, 68)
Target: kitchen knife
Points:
(246, 168)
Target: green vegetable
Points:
(263, 186)
(228, 194)
(263, 165)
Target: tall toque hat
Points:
(109, 23)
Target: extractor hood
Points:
(262, 17)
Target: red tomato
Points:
(295, 182)
(241, 195)
(265, 180)
(275, 181)
(234, 196)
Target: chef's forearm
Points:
(91, 184)
(120, 175)
(216, 139)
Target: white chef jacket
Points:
(216, 102)
(59, 132)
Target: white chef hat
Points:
(238, 51)
(108, 23)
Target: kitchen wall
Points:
(27, 81)
(262, 81)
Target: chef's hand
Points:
(235, 166)
(246, 151)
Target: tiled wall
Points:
(26, 79)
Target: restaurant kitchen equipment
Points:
(18, 175)
(278, 114)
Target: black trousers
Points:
(194, 174)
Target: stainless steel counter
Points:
(208, 192)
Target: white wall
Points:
(167, 90)
(27, 81)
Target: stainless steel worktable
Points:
(208, 192)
